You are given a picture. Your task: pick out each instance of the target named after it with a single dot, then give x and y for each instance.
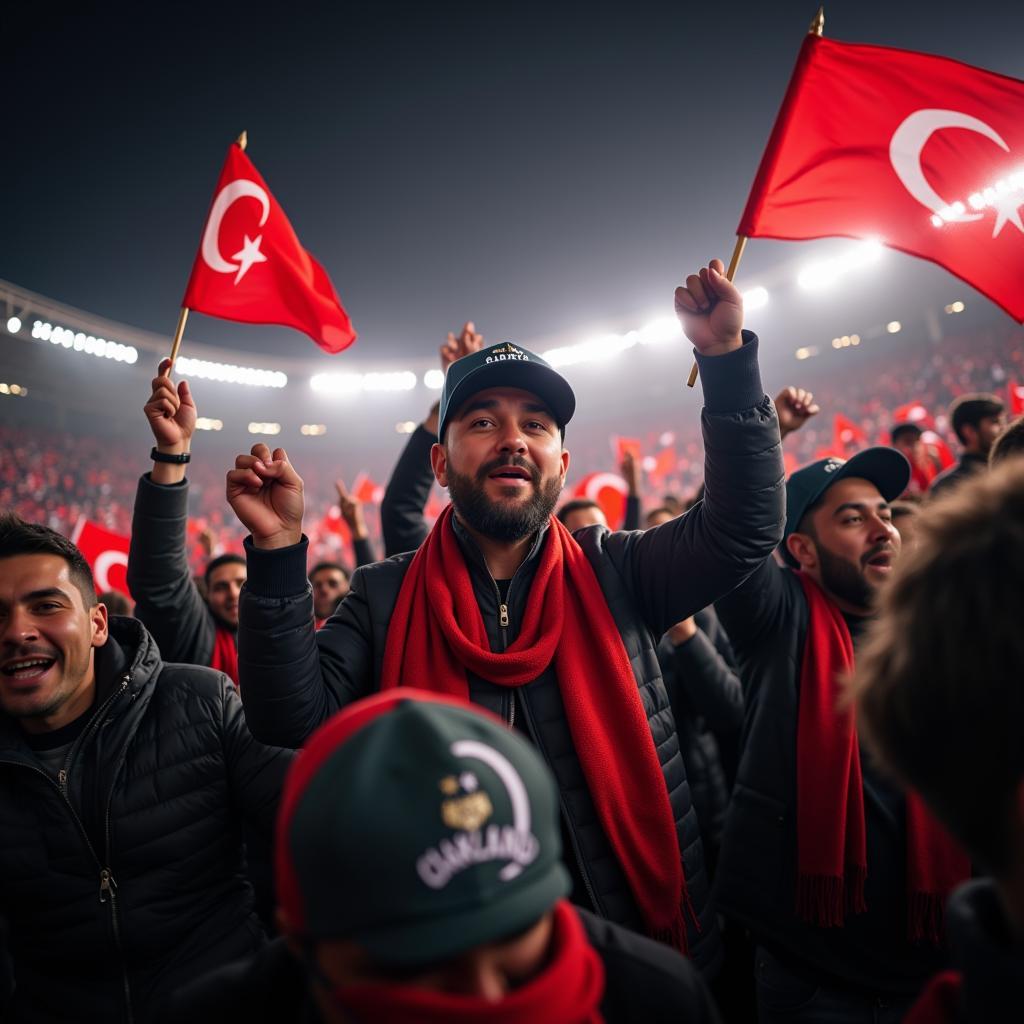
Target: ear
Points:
(439, 463)
(970, 434)
(565, 465)
(99, 623)
(802, 547)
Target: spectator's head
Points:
(977, 421)
(839, 526)
(50, 626)
(330, 584)
(904, 518)
(939, 682)
(581, 512)
(502, 421)
(224, 577)
(1009, 444)
(906, 438)
(418, 848)
(674, 503)
(116, 602)
(657, 516)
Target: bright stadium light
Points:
(807, 352)
(353, 383)
(405, 427)
(666, 328)
(755, 298)
(434, 379)
(265, 428)
(81, 342)
(825, 273)
(206, 423)
(313, 429)
(14, 324)
(894, 327)
(955, 307)
(228, 373)
(596, 350)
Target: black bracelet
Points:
(174, 460)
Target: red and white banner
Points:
(921, 152)
(106, 552)
(251, 266)
(1016, 398)
(609, 490)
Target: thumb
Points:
(723, 287)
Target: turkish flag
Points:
(1016, 399)
(921, 152)
(846, 433)
(251, 267)
(609, 491)
(664, 464)
(106, 553)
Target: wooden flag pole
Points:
(817, 28)
(242, 141)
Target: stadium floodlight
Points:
(228, 373)
(755, 298)
(955, 307)
(82, 342)
(206, 423)
(313, 429)
(807, 352)
(825, 273)
(14, 324)
(265, 428)
(405, 427)
(666, 328)
(434, 379)
(353, 383)
(894, 327)
(596, 350)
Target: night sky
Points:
(541, 168)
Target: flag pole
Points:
(242, 141)
(816, 28)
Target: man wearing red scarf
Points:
(434, 892)
(556, 634)
(840, 877)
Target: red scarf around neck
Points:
(437, 635)
(831, 834)
(567, 991)
(225, 653)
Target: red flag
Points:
(846, 434)
(106, 553)
(664, 464)
(624, 445)
(251, 267)
(914, 412)
(333, 522)
(921, 152)
(366, 490)
(1016, 399)
(609, 490)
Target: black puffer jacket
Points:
(128, 878)
(645, 983)
(292, 679)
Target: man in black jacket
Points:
(434, 890)
(123, 783)
(828, 950)
(977, 421)
(502, 457)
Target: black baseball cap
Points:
(886, 468)
(509, 366)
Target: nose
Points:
(511, 441)
(881, 529)
(19, 627)
(479, 975)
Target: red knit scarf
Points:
(437, 635)
(225, 653)
(831, 834)
(567, 991)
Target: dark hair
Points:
(658, 511)
(18, 537)
(970, 410)
(908, 430)
(900, 509)
(1009, 443)
(320, 566)
(938, 681)
(576, 505)
(216, 563)
(116, 602)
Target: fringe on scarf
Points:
(675, 934)
(924, 918)
(825, 900)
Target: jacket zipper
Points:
(577, 852)
(108, 885)
(503, 622)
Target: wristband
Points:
(174, 460)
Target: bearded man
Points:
(554, 632)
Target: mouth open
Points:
(883, 560)
(27, 670)
(511, 474)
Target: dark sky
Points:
(539, 167)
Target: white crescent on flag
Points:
(250, 252)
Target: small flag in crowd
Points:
(366, 490)
(628, 446)
(1016, 399)
(106, 552)
(846, 434)
(609, 490)
(921, 152)
(251, 266)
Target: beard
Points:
(503, 521)
(845, 580)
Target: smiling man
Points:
(821, 857)
(123, 784)
(555, 633)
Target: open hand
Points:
(795, 407)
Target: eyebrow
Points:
(861, 506)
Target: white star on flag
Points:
(248, 255)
